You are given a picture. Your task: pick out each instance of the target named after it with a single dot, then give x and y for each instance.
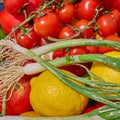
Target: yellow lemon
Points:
(30, 114)
(106, 72)
(50, 97)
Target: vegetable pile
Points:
(44, 35)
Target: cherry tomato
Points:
(115, 14)
(19, 99)
(106, 25)
(77, 50)
(30, 7)
(86, 32)
(15, 7)
(106, 49)
(76, 6)
(86, 9)
(107, 4)
(77, 70)
(116, 5)
(27, 37)
(36, 2)
(66, 32)
(7, 21)
(92, 49)
(60, 53)
(43, 41)
(66, 13)
(48, 25)
(92, 106)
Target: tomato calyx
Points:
(25, 31)
(27, 37)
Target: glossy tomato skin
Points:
(48, 25)
(36, 2)
(77, 50)
(19, 99)
(67, 13)
(115, 14)
(66, 32)
(60, 53)
(86, 9)
(7, 21)
(92, 49)
(77, 70)
(14, 7)
(86, 32)
(29, 40)
(116, 5)
(106, 25)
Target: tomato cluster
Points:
(88, 19)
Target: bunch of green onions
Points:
(100, 86)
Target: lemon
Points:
(106, 72)
(30, 114)
(50, 97)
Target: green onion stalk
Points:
(69, 60)
(75, 42)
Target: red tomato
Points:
(43, 41)
(77, 70)
(86, 9)
(86, 32)
(112, 38)
(115, 14)
(27, 37)
(92, 49)
(48, 25)
(107, 4)
(118, 29)
(30, 7)
(66, 32)
(92, 106)
(106, 25)
(36, 2)
(116, 5)
(77, 50)
(66, 13)
(14, 7)
(76, 6)
(60, 53)
(7, 21)
(19, 101)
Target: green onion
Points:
(67, 60)
(93, 93)
(75, 42)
